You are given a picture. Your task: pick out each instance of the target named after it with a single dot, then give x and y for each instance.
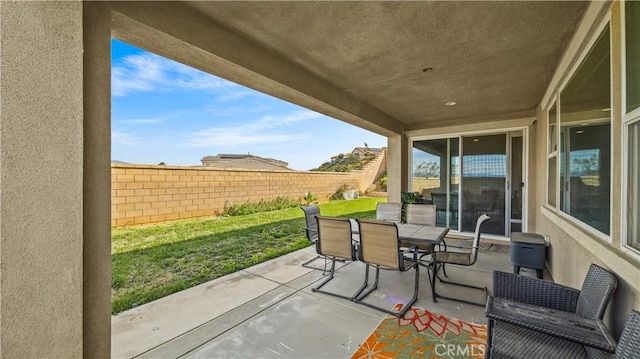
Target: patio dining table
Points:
(418, 233)
(415, 233)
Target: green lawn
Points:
(152, 261)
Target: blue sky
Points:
(163, 111)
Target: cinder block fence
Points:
(147, 194)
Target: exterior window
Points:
(552, 157)
(633, 197)
(585, 139)
(632, 48)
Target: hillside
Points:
(350, 161)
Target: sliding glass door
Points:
(486, 178)
(436, 176)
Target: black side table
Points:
(528, 250)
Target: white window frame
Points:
(555, 102)
(555, 98)
(628, 119)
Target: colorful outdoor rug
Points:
(422, 334)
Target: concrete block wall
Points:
(146, 194)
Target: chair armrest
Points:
(411, 250)
(447, 247)
(443, 243)
(534, 291)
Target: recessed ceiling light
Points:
(476, 140)
(451, 103)
(579, 132)
(606, 109)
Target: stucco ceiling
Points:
(408, 59)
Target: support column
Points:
(394, 168)
(41, 179)
(404, 163)
(97, 180)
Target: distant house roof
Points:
(248, 161)
(373, 151)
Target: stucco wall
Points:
(41, 176)
(146, 194)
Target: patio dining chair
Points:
(335, 243)
(423, 214)
(311, 230)
(379, 247)
(389, 212)
(467, 258)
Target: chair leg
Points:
(436, 295)
(366, 280)
(489, 332)
(324, 268)
(364, 285)
(461, 284)
(406, 307)
(428, 267)
(332, 271)
(307, 264)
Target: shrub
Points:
(339, 193)
(238, 209)
(309, 198)
(383, 180)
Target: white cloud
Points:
(142, 121)
(230, 139)
(259, 132)
(235, 95)
(124, 138)
(149, 72)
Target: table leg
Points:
(433, 281)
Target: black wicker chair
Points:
(513, 342)
(590, 302)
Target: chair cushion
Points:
(464, 259)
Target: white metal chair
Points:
(467, 258)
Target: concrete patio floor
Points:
(269, 311)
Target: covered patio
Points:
(269, 311)
(561, 78)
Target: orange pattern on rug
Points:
(423, 334)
